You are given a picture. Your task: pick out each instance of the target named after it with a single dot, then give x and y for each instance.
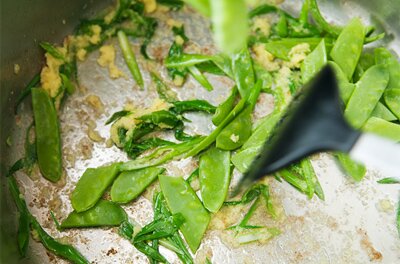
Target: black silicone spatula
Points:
(314, 122)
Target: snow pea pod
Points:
(207, 141)
(200, 78)
(348, 47)
(280, 48)
(320, 20)
(314, 62)
(225, 107)
(345, 87)
(182, 199)
(181, 107)
(237, 132)
(48, 142)
(230, 24)
(243, 159)
(92, 185)
(130, 184)
(366, 95)
(104, 213)
(243, 72)
(383, 128)
(381, 111)
(392, 100)
(214, 176)
(384, 56)
(129, 57)
(186, 60)
(352, 168)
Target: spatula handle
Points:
(379, 153)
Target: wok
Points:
(355, 224)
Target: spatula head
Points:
(312, 123)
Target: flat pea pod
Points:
(314, 62)
(214, 176)
(186, 60)
(383, 128)
(48, 142)
(345, 87)
(352, 168)
(104, 213)
(92, 185)
(381, 111)
(392, 100)
(237, 132)
(130, 58)
(348, 47)
(182, 199)
(366, 95)
(130, 184)
(230, 24)
(225, 107)
(243, 72)
(384, 56)
(200, 78)
(251, 148)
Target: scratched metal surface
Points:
(355, 224)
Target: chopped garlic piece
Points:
(297, 54)
(149, 5)
(81, 54)
(234, 138)
(107, 59)
(17, 68)
(95, 102)
(262, 24)
(49, 76)
(266, 59)
(178, 80)
(95, 38)
(179, 40)
(174, 23)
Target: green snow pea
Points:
(251, 148)
(384, 56)
(389, 180)
(264, 76)
(281, 27)
(243, 73)
(200, 78)
(366, 95)
(383, 128)
(381, 111)
(161, 155)
(203, 6)
(392, 100)
(352, 168)
(129, 57)
(181, 107)
(207, 141)
(314, 62)
(262, 9)
(104, 213)
(130, 184)
(236, 133)
(320, 20)
(348, 47)
(280, 48)
(225, 107)
(230, 24)
(214, 176)
(186, 60)
(92, 185)
(346, 88)
(48, 142)
(182, 199)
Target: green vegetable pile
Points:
(277, 61)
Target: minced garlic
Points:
(49, 76)
(174, 23)
(297, 55)
(107, 59)
(264, 58)
(17, 68)
(234, 138)
(262, 24)
(149, 5)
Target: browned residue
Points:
(112, 251)
(366, 244)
